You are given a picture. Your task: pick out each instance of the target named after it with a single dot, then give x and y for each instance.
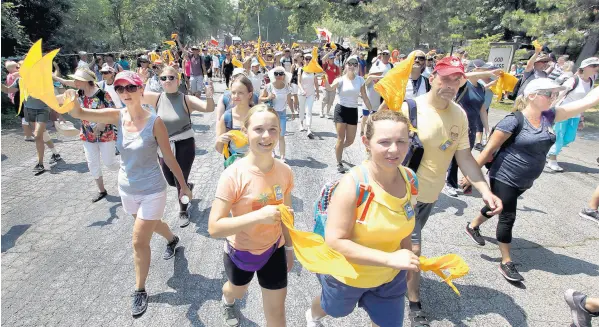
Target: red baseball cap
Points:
(448, 66)
(128, 77)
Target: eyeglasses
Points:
(385, 54)
(420, 58)
(549, 94)
(120, 89)
(105, 73)
(430, 59)
(279, 73)
(169, 77)
(352, 64)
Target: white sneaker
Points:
(312, 322)
(329, 116)
(321, 115)
(450, 191)
(552, 164)
(29, 138)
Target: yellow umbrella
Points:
(392, 87)
(313, 66)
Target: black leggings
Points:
(185, 151)
(228, 78)
(509, 196)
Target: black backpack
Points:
(512, 96)
(416, 149)
(510, 140)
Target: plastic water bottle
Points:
(185, 199)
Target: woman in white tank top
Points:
(308, 91)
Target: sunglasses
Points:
(352, 64)
(120, 89)
(106, 73)
(549, 94)
(386, 54)
(279, 73)
(170, 78)
(420, 58)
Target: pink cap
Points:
(128, 77)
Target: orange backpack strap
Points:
(413, 179)
(364, 192)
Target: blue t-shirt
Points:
(521, 163)
(124, 64)
(471, 102)
(488, 96)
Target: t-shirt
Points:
(435, 128)
(10, 79)
(556, 72)
(82, 64)
(332, 71)
(308, 83)
(280, 101)
(488, 95)
(113, 95)
(386, 67)
(581, 90)
(471, 102)
(349, 91)
(256, 80)
(415, 88)
(124, 64)
(216, 61)
(373, 96)
(521, 163)
(208, 61)
(286, 63)
(196, 64)
(30, 102)
(248, 189)
(528, 77)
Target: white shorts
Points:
(146, 207)
(294, 89)
(197, 83)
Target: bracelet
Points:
(288, 248)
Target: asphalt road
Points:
(68, 262)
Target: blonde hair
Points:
(568, 66)
(520, 103)
(259, 108)
(170, 70)
(383, 115)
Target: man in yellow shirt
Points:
(443, 131)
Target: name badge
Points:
(409, 210)
(445, 145)
(278, 192)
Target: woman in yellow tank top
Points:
(378, 244)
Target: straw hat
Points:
(83, 74)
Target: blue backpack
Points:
(364, 194)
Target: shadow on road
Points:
(200, 152)
(199, 218)
(474, 301)
(310, 163)
(200, 128)
(320, 135)
(112, 211)
(297, 203)
(10, 238)
(445, 202)
(4, 157)
(536, 257)
(80, 167)
(576, 168)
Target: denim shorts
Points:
(37, 115)
(283, 121)
(384, 304)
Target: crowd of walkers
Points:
(142, 112)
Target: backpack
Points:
(416, 149)
(510, 140)
(363, 193)
(228, 119)
(512, 96)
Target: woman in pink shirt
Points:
(13, 73)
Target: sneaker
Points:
(331, 117)
(302, 129)
(55, 158)
(453, 192)
(590, 214)
(29, 138)
(418, 319)
(183, 219)
(310, 135)
(580, 316)
(552, 164)
(478, 147)
(230, 315)
(340, 168)
(39, 168)
(171, 248)
(311, 322)
(509, 272)
(140, 303)
(321, 115)
(474, 234)
(99, 196)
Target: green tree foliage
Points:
(479, 48)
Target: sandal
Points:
(99, 196)
(418, 319)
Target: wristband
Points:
(288, 248)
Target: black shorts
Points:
(346, 115)
(209, 73)
(273, 276)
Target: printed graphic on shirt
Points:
(268, 197)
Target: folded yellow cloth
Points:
(392, 87)
(453, 263)
(313, 66)
(505, 83)
(238, 137)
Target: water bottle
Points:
(185, 199)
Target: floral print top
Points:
(99, 100)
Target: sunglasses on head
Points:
(279, 73)
(549, 94)
(169, 77)
(420, 58)
(120, 89)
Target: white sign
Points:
(501, 57)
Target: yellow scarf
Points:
(313, 66)
(238, 137)
(453, 263)
(392, 87)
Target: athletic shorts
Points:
(346, 115)
(273, 276)
(146, 207)
(37, 115)
(329, 97)
(283, 121)
(294, 89)
(384, 304)
(423, 211)
(196, 83)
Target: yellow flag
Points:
(313, 66)
(363, 45)
(167, 57)
(537, 45)
(313, 253)
(236, 62)
(171, 43)
(231, 48)
(238, 137)
(154, 56)
(279, 47)
(242, 54)
(174, 36)
(295, 45)
(333, 45)
(393, 86)
(261, 61)
(453, 263)
(505, 83)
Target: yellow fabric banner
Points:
(313, 66)
(453, 263)
(392, 87)
(505, 83)
(238, 137)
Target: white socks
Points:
(225, 301)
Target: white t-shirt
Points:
(410, 88)
(256, 81)
(349, 91)
(386, 67)
(308, 83)
(113, 95)
(82, 64)
(286, 63)
(280, 100)
(215, 64)
(579, 92)
(373, 97)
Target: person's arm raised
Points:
(106, 116)
(569, 110)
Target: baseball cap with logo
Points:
(589, 61)
(448, 66)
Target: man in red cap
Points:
(443, 132)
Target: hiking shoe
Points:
(474, 234)
(590, 214)
(340, 168)
(29, 139)
(478, 147)
(311, 322)
(39, 168)
(418, 319)
(453, 192)
(551, 164)
(140, 303)
(183, 219)
(55, 158)
(169, 252)
(99, 196)
(509, 272)
(230, 315)
(580, 316)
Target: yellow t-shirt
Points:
(386, 224)
(435, 128)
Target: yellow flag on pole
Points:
(393, 86)
(236, 62)
(313, 66)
